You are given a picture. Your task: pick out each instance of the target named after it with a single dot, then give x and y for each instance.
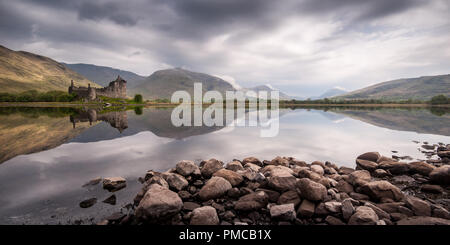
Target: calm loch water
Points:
(47, 154)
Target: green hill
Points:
(21, 71)
(421, 88)
(163, 83)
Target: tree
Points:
(440, 99)
(138, 98)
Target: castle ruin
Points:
(115, 89)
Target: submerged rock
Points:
(114, 183)
(88, 203)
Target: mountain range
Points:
(21, 71)
(422, 88)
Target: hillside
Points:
(267, 88)
(21, 71)
(163, 83)
(103, 75)
(422, 88)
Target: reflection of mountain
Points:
(21, 134)
(416, 120)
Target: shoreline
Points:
(286, 191)
(151, 104)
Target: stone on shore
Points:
(422, 168)
(214, 188)
(363, 216)
(289, 197)
(88, 203)
(210, 167)
(344, 186)
(437, 189)
(306, 209)
(359, 177)
(366, 165)
(333, 206)
(418, 206)
(283, 212)
(186, 168)
(158, 202)
(176, 181)
(252, 201)
(311, 190)
(206, 215)
(441, 175)
(234, 166)
(252, 160)
(114, 183)
(279, 161)
(378, 190)
(347, 209)
(234, 178)
(282, 183)
(369, 156)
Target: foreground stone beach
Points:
(380, 191)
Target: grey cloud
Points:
(110, 10)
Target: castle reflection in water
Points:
(117, 119)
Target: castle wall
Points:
(115, 89)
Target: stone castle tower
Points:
(115, 89)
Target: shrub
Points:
(138, 98)
(440, 99)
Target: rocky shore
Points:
(285, 191)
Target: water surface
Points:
(47, 154)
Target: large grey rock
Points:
(114, 183)
(359, 177)
(234, 178)
(210, 167)
(366, 165)
(311, 190)
(234, 166)
(306, 209)
(418, 206)
(283, 212)
(176, 181)
(441, 175)
(363, 216)
(214, 188)
(282, 183)
(158, 202)
(206, 215)
(369, 156)
(186, 168)
(422, 168)
(378, 190)
(252, 201)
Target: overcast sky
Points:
(301, 47)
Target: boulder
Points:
(333, 206)
(378, 190)
(317, 169)
(210, 167)
(331, 220)
(283, 212)
(88, 203)
(176, 181)
(395, 168)
(441, 175)
(347, 209)
(359, 177)
(363, 216)
(234, 178)
(366, 165)
(114, 183)
(273, 195)
(418, 206)
(344, 186)
(252, 160)
(190, 206)
(156, 180)
(289, 197)
(369, 156)
(252, 167)
(158, 202)
(380, 173)
(252, 201)
(380, 212)
(206, 215)
(422, 168)
(234, 166)
(282, 183)
(440, 212)
(443, 154)
(306, 209)
(214, 188)
(421, 220)
(437, 189)
(186, 168)
(280, 161)
(311, 190)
